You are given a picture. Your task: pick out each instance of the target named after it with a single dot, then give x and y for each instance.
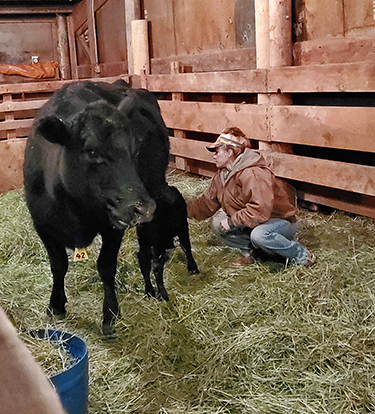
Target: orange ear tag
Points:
(80, 254)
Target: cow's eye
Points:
(94, 157)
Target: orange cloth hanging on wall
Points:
(35, 70)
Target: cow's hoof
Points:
(163, 295)
(150, 293)
(54, 313)
(108, 330)
(194, 271)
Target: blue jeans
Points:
(275, 236)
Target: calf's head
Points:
(98, 165)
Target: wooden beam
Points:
(9, 117)
(178, 133)
(262, 34)
(132, 12)
(11, 155)
(72, 47)
(190, 148)
(14, 134)
(280, 33)
(338, 204)
(49, 86)
(246, 81)
(328, 50)
(15, 123)
(62, 46)
(343, 176)
(35, 10)
(21, 106)
(139, 35)
(214, 117)
(197, 167)
(348, 77)
(223, 60)
(94, 59)
(350, 128)
(280, 54)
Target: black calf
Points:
(157, 236)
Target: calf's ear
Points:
(54, 130)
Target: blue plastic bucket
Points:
(72, 384)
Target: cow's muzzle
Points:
(130, 215)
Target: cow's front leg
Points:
(107, 265)
(59, 266)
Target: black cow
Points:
(94, 163)
(157, 236)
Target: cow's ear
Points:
(54, 130)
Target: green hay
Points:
(261, 339)
(50, 354)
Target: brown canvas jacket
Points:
(250, 194)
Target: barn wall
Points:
(331, 18)
(203, 35)
(97, 37)
(331, 31)
(313, 120)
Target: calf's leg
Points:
(144, 260)
(184, 239)
(158, 269)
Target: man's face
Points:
(222, 157)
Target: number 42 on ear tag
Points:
(80, 254)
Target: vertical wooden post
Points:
(280, 31)
(62, 46)
(132, 12)
(273, 24)
(262, 52)
(9, 116)
(181, 163)
(262, 33)
(280, 46)
(94, 58)
(141, 58)
(72, 48)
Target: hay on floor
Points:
(267, 338)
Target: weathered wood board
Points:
(323, 18)
(246, 81)
(214, 117)
(330, 127)
(343, 176)
(11, 156)
(334, 50)
(349, 77)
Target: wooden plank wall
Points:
(97, 39)
(203, 35)
(344, 178)
(320, 138)
(209, 102)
